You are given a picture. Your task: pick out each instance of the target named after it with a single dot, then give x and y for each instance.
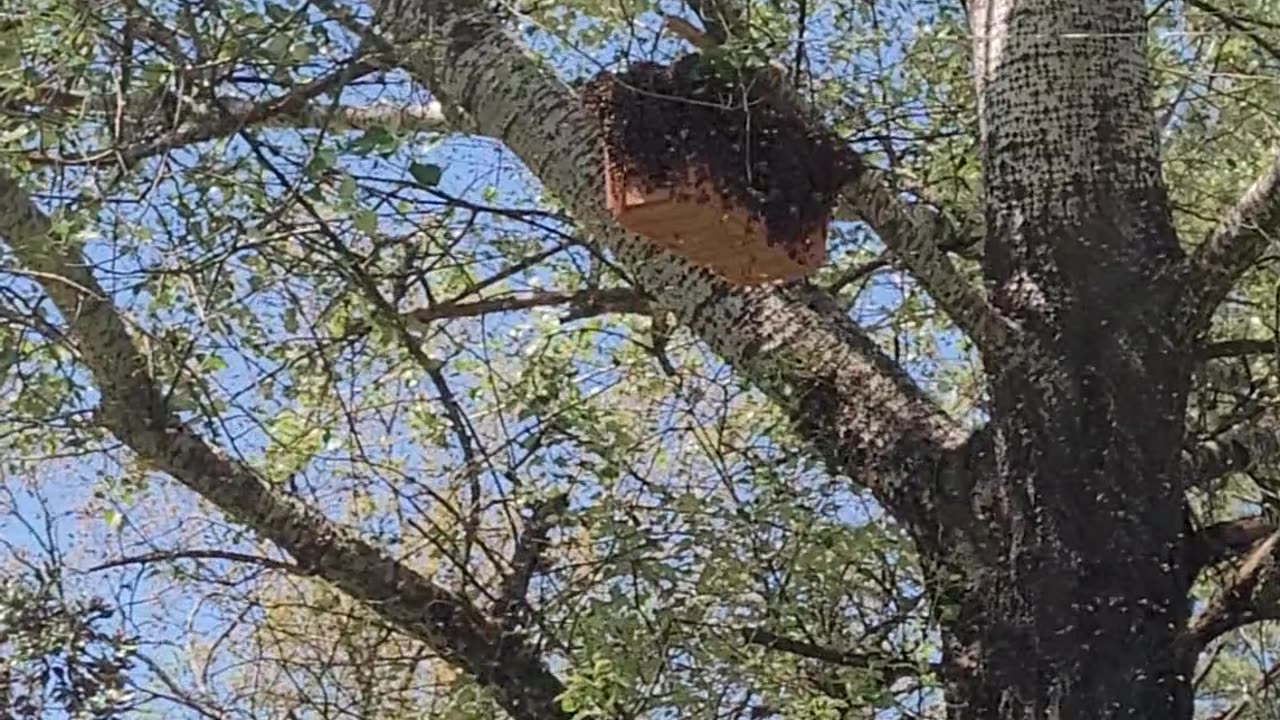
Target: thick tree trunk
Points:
(1083, 654)
(1072, 608)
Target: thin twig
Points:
(171, 555)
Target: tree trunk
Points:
(1072, 608)
(1084, 654)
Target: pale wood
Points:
(694, 222)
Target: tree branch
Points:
(1248, 597)
(528, 558)
(220, 122)
(1238, 348)
(171, 555)
(773, 641)
(1236, 23)
(682, 29)
(887, 670)
(134, 409)
(412, 117)
(863, 413)
(1215, 543)
(916, 234)
(1234, 245)
(721, 18)
(581, 304)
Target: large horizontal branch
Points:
(862, 412)
(1238, 348)
(1234, 245)
(396, 117)
(134, 409)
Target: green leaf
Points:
(374, 139)
(277, 47)
(427, 175)
(277, 13)
(213, 363)
(366, 221)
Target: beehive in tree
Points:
(716, 165)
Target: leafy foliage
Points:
(57, 657)
(397, 327)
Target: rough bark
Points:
(1074, 608)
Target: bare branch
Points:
(406, 117)
(134, 409)
(411, 118)
(1239, 348)
(528, 558)
(1226, 540)
(887, 668)
(773, 641)
(581, 304)
(171, 555)
(1234, 245)
(1248, 597)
